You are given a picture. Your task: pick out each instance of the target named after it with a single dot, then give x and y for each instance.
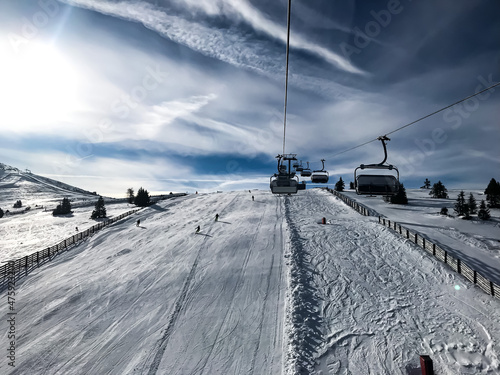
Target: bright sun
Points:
(38, 88)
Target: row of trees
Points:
(468, 207)
(142, 199)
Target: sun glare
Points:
(38, 88)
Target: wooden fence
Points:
(456, 264)
(16, 269)
(363, 210)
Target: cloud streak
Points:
(226, 45)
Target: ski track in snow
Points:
(383, 301)
(352, 297)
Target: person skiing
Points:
(252, 198)
(138, 222)
(76, 229)
(216, 217)
(197, 229)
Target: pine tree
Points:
(444, 211)
(18, 204)
(438, 191)
(461, 207)
(130, 195)
(63, 208)
(484, 212)
(340, 185)
(400, 197)
(351, 185)
(493, 194)
(472, 204)
(142, 198)
(427, 184)
(100, 209)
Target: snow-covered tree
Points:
(340, 185)
(493, 194)
(400, 197)
(461, 207)
(484, 212)
(142, 198)
(63, 208)
(471, 202)
(100, 209)
(438, 191)
(427, 184)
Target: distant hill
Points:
(33, 189)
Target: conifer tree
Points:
(142, 198)
(100, 209)
(351, 185)
(427, 184)
(461, 207)
(400, 197)
(484, 212)
(439, 191)
(471, 202)
(130, 195)
(63, 208)
(340, 185)
(493, 194)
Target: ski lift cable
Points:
(418, 120)
(286, 70)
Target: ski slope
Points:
(265, 290)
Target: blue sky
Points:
(187, 95)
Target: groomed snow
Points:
(266, 290)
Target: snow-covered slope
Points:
(476, 242)
(159, 299)
(34, 190)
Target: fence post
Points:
(416, 239)
(475, 277)
(423, 242)
(65, 246)
(492, 289)
(434, 249)
(38, 258)
(407, 234)
(379, 219)
(446, 257)
(26, 262)
(459, 266)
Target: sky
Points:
(188, 95)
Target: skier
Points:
(138, 222)
(252, 198)
(197, 229)
(76, 229)
(216, 217)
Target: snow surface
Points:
(474, 241)
(266, 290)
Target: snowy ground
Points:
(476, 242)
(266, 290)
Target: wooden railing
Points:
(456, 264)
(15, 269)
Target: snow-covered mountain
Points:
(33, 189)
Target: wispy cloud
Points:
(227, 45)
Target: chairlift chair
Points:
(299, 167)
(306, 172)
(378, 184)
(285, 181)
(320, 176)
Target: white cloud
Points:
(232, 48)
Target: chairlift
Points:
(306, 172)
(285, 181)
(320, 176)
(379, 184)
(298, 167)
